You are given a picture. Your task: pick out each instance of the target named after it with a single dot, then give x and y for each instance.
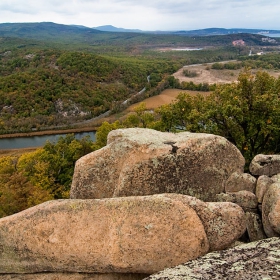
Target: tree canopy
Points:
(247, 113)
(42, 175)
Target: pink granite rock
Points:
(139, 162)
(240, 182)
(271, 210)
(123, 235)
(265, 165)
(224, 222)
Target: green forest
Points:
(48, 84)
(48, 88)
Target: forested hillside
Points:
(53, 75)
(45, 88)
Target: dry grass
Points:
(16, 152)
(212, 76)
(166, 97)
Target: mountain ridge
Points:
(20, 28)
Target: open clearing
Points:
(212, 76)
(166, 97)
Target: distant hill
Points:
(70, 36)
(55, 31)
(224, 31)
(111, 28)
(54, 74)
(197, 32)
(43, 30)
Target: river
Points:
(36, 141)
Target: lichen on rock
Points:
(139, 162)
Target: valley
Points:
(48, 85)
(62, 79)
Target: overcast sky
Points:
(147, 14)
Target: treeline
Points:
(265, 61)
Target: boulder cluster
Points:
(149, 201)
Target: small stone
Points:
(262, 185)
(240, 182)
(265, 165)
(245, 199)
(254, 227)
(271, 210)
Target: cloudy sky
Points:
(147, 14)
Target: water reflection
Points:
(37, 141)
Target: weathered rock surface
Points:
(73, 276)
(271, 210)
(124, 235)
(224, 222)
(240, 182)
(262, 185)
(253, 261)
(244, 199)
(144, 162)
(265, 165)
(254, 227)
(276, 178)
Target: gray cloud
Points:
(147, 14)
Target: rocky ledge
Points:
(149, 201)
(253, 261)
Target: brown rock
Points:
(245, 199)
(262, 185)
(224, 222)
(254, 227)
(139, 162)
(253, 261)
(240, 182)
(271, 210)
(123, 235)
(265, 165)
(276, 178)
(73, 276)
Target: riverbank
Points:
(49, 132)
(16, 152)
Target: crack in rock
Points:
(174, 148)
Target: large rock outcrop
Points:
(130, 235)
(148, 201)
(144, 162)
(256, 260)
